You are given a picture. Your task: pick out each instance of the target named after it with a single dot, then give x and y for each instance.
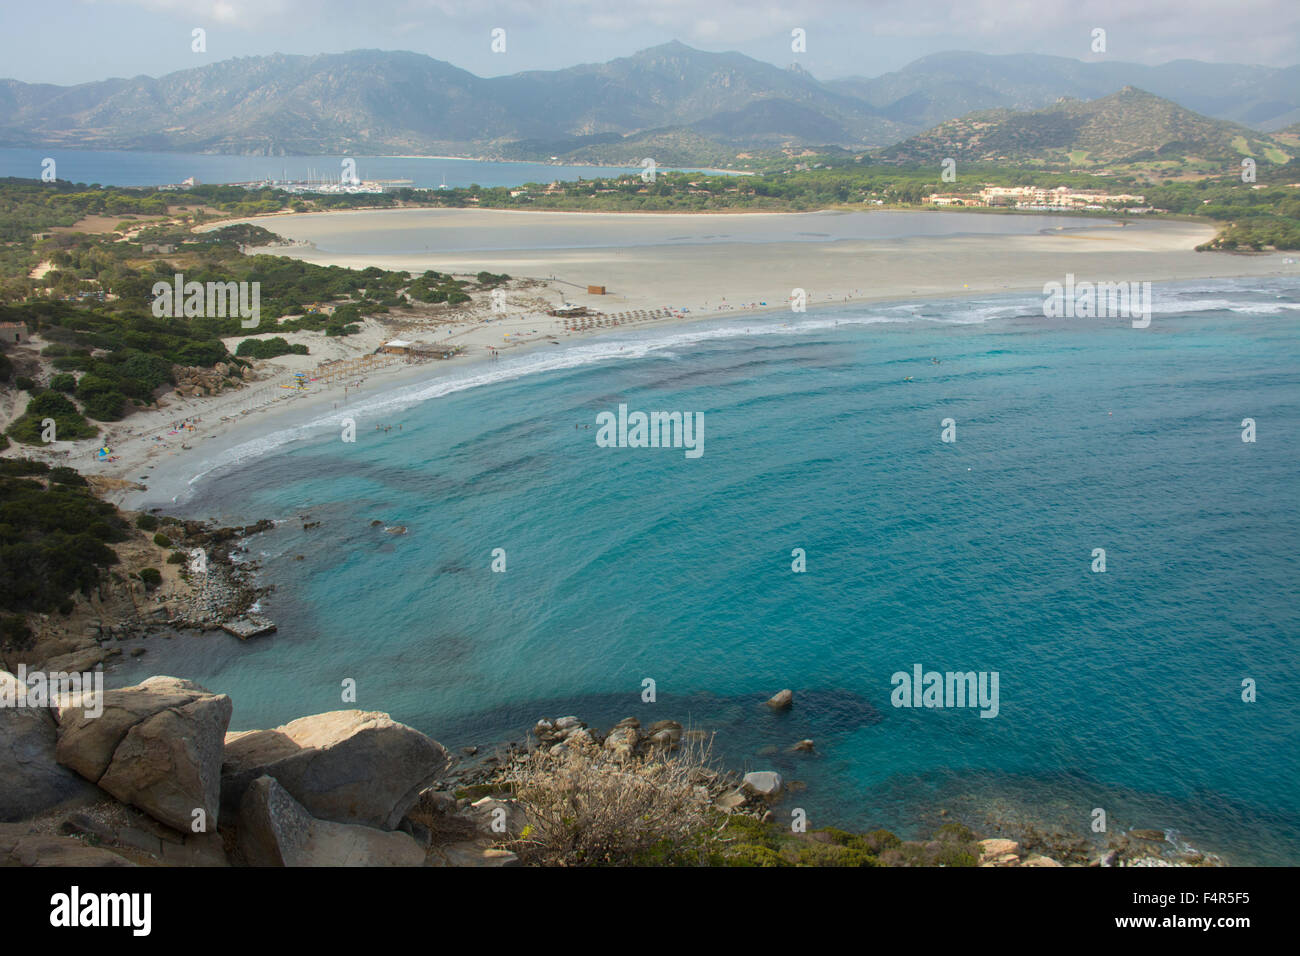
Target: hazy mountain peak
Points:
(370, 101)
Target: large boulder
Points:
(349, 766)
(156, 746)
(276, 830)
(764, 783)
(31, 779)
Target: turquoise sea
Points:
(1120, 690)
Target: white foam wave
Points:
(667, 343)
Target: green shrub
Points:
(67, 476)
(834, 854)
(752, 854)
(105, 406)
(955, 832)
(101, 397)
(879, 840)
(14, 632)
(747, 829)
(162, 540)
(69, 424)
(22, 467)
(269, 348)
(146, 522)
(53, 542)
(151, 577)
(176, 557)
(64, 382)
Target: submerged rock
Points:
(781, 700)
(1156, 836)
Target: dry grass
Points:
(587, 807)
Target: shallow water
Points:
(415, 231)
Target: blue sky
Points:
(74, 41)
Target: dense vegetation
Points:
(93, 302)
(437, 287)
(54, 538)
(49, 405)
(269, 348)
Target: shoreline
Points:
(171, 479)
(720, 281)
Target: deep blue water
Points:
(143, 168)
(1120, 690)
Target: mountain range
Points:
(673, 97)
(1129, 126)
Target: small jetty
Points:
(250, 625)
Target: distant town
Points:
(1059, 199)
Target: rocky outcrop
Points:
(664, 734)
(22, 845)
(999, 852)
(348, 766)
(624, 737)
(192, 380)
(31, 780)
(156, 746)
(276, 830)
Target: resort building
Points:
(952, 199)
(1061, 197)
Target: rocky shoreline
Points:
(156, 779)
(203, 585)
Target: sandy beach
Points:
(690, 261)
(642, 268)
